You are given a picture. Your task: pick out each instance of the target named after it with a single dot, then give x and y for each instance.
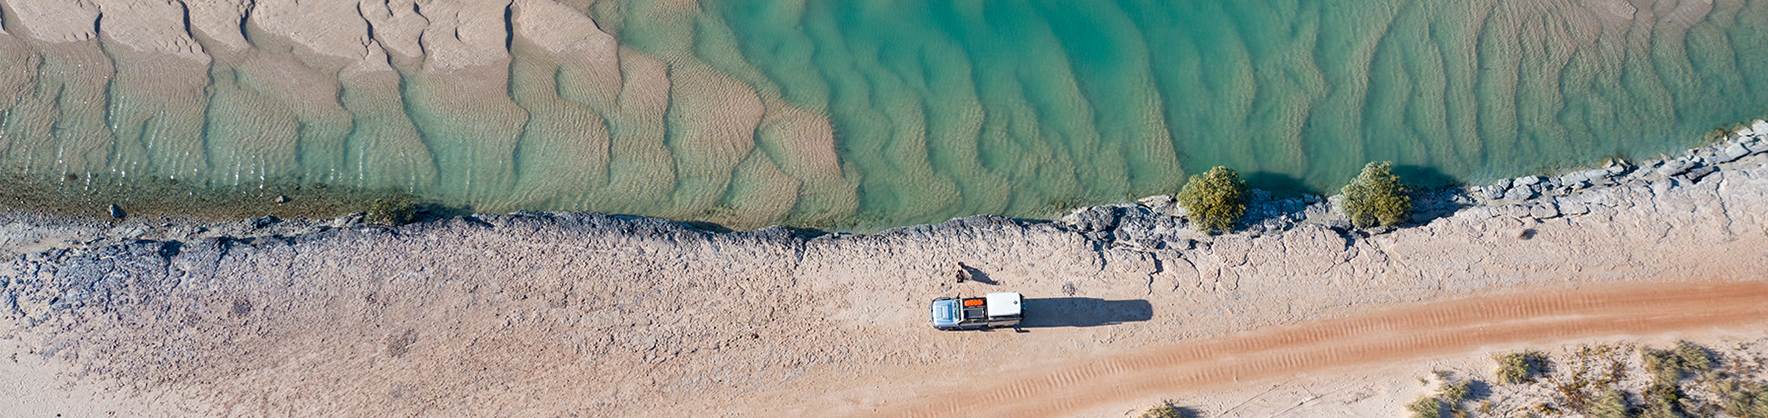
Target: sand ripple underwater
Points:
(855, 114)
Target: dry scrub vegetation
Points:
(1611, 381)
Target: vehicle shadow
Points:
(1083, 312)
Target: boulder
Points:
(1695, 174)
(1520, 192)
(1543, 211)
(1501, 185)
(1527, 181)
(1157, 200)
(1732, 153)
(1759, 128)
(1572, 209)
(1674, 167)
(116, 211)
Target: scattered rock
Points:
(280, 199)
(116, 211)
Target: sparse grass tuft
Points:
(1668, 366)
(1520, 367)
(1610, 404)
(1426, 407)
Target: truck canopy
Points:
(1004, 304)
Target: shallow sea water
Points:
(869, 114)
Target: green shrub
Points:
(1376, 197)
(1215, 199)
(390, 211)
(1521, 367)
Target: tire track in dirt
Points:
(1394, 334)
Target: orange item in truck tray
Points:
(972, 302)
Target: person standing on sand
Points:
(963, 272)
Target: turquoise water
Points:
(870, 114)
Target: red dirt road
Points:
(1390, 335)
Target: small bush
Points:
(390, 211)
(1376, 197)
(1521, 367)
(1215, 199)
(1454, 393)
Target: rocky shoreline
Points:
(469, 315)
(1158, 223)
(1153, 223)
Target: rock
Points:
(1519, 193)
(1543, 211)
(1163, 204)
(116, 211)
(1674, 167)
(1585, 176)
(1527, 181)
(1501, 185)
(263, 222)
(1732, 153)
(1695, 174)
(1156, 200)
(1572, 209)
(280, 199)
(1759, 128)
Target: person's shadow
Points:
(1083, 312)
(976, 275)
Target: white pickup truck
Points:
(994, 310)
